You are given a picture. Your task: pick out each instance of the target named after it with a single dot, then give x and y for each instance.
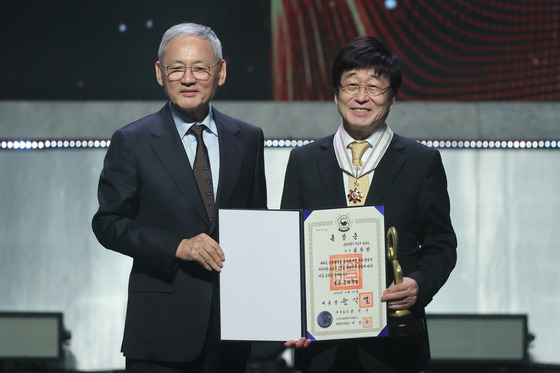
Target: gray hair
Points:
(191, 29)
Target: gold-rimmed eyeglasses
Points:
(175, 73)
(371, 90)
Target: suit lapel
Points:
(329, 170)
(386, 172)
(231, 153)
(168, 147)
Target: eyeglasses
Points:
(371, 90)
(175, 73)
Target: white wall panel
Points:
(505, 209)
(506, 212)
(51, 260)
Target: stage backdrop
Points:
(481, 82)
(504, 198)
(462, 50)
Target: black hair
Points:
(366, 52)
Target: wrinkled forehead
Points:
(188, 44)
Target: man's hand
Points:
(401, 296)
(202, 249)
(302, 342)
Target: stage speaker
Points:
(31, 336)
(478, 338)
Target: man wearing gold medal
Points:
(365, 163)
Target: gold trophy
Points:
(401, 322)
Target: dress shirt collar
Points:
(183, 123)
(379, 140)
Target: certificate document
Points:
(344, 273)
(313, 273)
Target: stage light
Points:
(390, 4)
(9, 144)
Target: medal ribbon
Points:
(380, 141)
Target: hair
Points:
(191, 29)
(366, 52)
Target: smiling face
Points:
(361, 114)
(189, 95)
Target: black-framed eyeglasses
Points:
(175, 73)
(371, 90)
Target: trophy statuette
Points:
(401, 322)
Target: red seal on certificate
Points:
(366, 300)
(346, 271)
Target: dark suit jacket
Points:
(148, 202)
(410, 182)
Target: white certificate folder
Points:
(289, 274)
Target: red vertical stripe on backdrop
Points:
(450, 50)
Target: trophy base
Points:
(404, 325)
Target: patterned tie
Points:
(201, 170)
(358, 187)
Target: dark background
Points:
(73, 49)
(459, 50)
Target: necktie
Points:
(358, 187)
(201, 170)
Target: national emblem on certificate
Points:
(344, 273)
